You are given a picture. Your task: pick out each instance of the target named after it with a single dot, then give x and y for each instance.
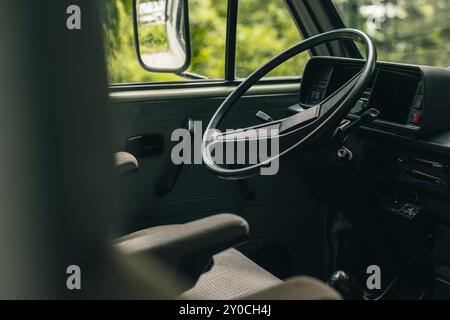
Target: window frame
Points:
(230, 53)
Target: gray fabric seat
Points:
(234, 276)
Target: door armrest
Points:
(187, 247)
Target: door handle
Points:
(146, 145)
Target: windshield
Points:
(408, 31)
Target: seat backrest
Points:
(57, 186)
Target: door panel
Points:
(283, 211)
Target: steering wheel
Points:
(297, 131)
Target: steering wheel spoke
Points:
(263, 131)
(333, 101)
(299, 120)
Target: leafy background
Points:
(265, 28)
(410, 31)
(414, 31)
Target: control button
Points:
(418, 104)
(359, 106)
(344, 155)
(410, 210)
(366, 95)
(416, 118)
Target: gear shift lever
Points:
(346, 285)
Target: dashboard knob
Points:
(344, 155)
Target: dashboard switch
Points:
(359, 107)
(264, 117)
(410, 210)
(416, 118)
(404, 209)
(418, 104)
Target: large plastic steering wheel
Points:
(299, 130)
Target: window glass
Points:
(208, 32)
(208, 23)
(266, 28)
(409, 31)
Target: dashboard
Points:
(396, 186)
(396, 90)
(411, 137)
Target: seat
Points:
(189, 248)
(236, 277)
(233, 276)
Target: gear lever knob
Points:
(346, 285)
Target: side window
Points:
(264, 29)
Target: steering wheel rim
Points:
(323, 117)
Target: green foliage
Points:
(123, 65)
(155, 36)
(412, 31)
(208, 19)
(261, 35)
(265, 29)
